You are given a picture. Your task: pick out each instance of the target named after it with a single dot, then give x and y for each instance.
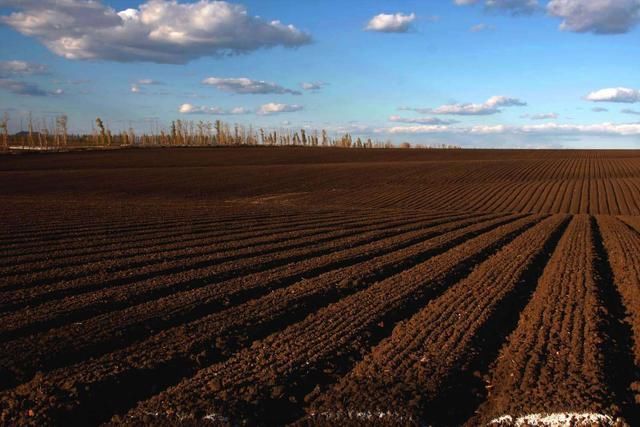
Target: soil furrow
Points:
(410, 376)
(179, 352)
(83, 306)
(106, 332)
(556, 359)
(268, 380)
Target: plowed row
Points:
(320, 287)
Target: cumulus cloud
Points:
(21, 68)
(515, 7)
(273, 108)
(243, 85)
(550, 129)
(313, 86)
(422, 120)
(163, 31)
(618, 94)
(195, 109)
(391, 23)
(18, 87)
(630, 111)
(596, 16)
(490, 106)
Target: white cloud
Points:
(490, 106)
(596, 16)
(21, 68)
(391, 23)
(550, 129)
(243, 85)
(163, 31)
(422, 120)
(194, 109)
(618, 94)
(273, 108)
(515, 7)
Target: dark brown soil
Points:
(267, 286)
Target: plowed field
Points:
(274, 286)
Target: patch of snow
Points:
(557, 420)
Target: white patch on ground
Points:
(361, 415)
(216, 418)
(25, 147)
(559, 419)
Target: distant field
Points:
(317, 286)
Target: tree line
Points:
(54, 135)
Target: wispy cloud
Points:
(149, 82)
(489, 107)
(478, 28)
(263, 110)
(313, 86)
(515, 7)
(243, 85)
(422, 120)
(601, 129)
(540, 116)
(195, 109)
(21, 68)
(18, 87)
(137, 87)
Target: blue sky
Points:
(494, 73)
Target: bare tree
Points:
(30, 141)
(4, 127)
(43, 135)
(103, 134)
(61, 130)
(174, 133)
